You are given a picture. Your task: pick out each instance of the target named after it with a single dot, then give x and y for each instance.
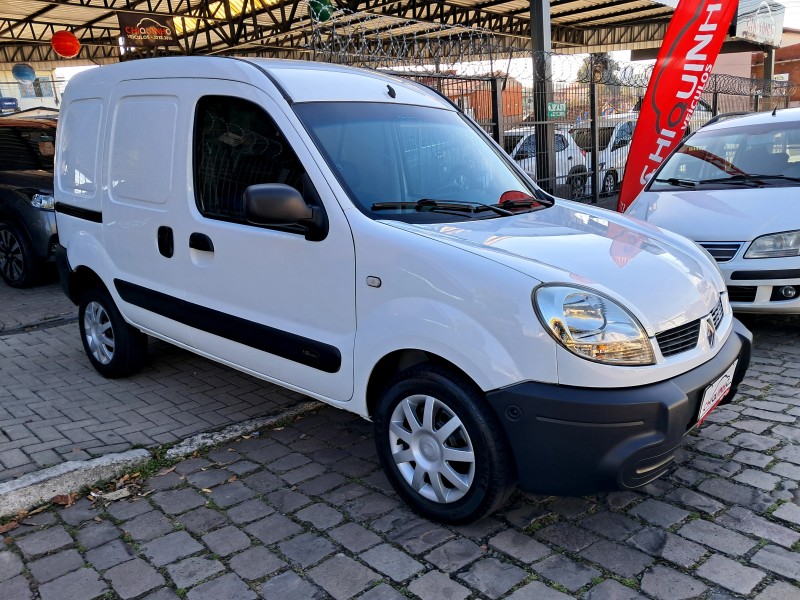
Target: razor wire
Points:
(398, 44)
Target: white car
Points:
(571, 170)
(354, 237)
(733, 187)
(614, 135)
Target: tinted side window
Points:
(561, 143)
(27, 148)
(237, 145)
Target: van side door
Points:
(265, 298)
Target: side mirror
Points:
(277, 204)
(621, 144)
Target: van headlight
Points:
(775, 245)
(592, 325)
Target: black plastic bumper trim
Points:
(575, 441)
(774, 274)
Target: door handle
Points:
(166, 242)
(200, 241)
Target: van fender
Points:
(516, 350)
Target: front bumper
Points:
(574, 441)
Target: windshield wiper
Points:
(747, 179)
(442, 205)
(678, 182)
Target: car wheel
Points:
(609, 184)
(114, 348)
(577, 186)
(18, 263)
(441, 446)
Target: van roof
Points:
(299, 81)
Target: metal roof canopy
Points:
(284, 27)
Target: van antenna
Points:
(775, 111)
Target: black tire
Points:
(577, 186)
(19, 266)
(609, 185)
(469, 490)
(114, 348)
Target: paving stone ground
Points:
(54, 407)
(303, 511)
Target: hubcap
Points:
(432, 449)
(98, 332)
(11, 263)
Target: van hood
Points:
(663, 279)
(729, 215)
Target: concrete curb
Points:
(231, 432)
(33, 489)
(36, 488)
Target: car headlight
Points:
(775, 245)
(592, 325)
(44, 201)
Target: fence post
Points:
(595, 166)
(497, 110)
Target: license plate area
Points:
(715, 392)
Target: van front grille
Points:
(722, 251)
(684, 337)
(680, 339)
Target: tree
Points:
(599, 68)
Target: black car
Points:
(27, 221)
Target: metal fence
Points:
(590, 123)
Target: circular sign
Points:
(65, 44)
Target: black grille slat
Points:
(684, 337)
(680, 339)
(742, 293)
(722, 251)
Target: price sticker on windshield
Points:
(716, 392)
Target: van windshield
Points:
(414, 164)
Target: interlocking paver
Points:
(436, 585)
(227, 586)
(492, 577)
(730, 574)
(55, 565)
(170, 548)
(133, 578)
(83, 584)
(255, 563)
(568, 573)
(668, 584)
(192, 571)
(328, 576)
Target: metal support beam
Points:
(543, 94)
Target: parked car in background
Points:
(614, 135)
(571, 170)
(734, 188)
(27, 222)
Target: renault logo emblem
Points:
(711, 332)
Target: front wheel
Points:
(114, 348)
(441, 446)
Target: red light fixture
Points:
(65, 44)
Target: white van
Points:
(353, 236)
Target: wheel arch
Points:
(400, 360)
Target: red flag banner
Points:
(687, 55)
